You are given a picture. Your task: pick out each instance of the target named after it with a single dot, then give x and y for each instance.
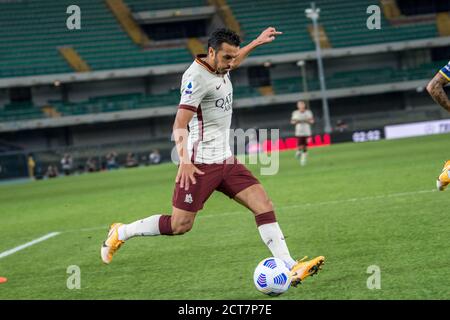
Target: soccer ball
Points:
(272, 277)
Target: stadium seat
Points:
(344, 24)
(103, 44)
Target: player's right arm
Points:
(186, 169)
(193, 90)
(436, 87)
(294, 119)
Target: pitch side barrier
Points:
(319, 140)
(417, 129)
(14, 164)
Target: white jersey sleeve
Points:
(193, 90)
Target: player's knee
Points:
(266, 205)
(182, 227)
(270, 205)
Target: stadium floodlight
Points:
(313, 13)
(302, 65)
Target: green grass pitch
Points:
(357, 204)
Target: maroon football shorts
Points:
(228, 177)
(303, 141)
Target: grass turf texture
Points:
(356, 204)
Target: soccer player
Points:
(436, 89)
(206, 161)
(302, 118)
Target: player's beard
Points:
(222, 71)
(219, 70)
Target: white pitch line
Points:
(91, 229)
(320, 203)
(382, 196)
(28, 244)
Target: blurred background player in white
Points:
(206, 161)
(436, 89)
(302, 118)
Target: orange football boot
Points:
(112, 243)
(305, 268)
(444, 178)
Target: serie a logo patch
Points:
(188, 88)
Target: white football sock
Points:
(303, 158)
(145, 227)
(273, 237)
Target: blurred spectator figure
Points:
(131, 161)
(111, 161)
(80, 169)
(39, 175)
(103, 165)
(341, 126)
(154, 157)
(91, 165)
(67, 164)
(52, 171)
(144, 159)
(31, 165)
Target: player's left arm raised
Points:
(436, 90)
(267, 36)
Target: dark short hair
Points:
(222, 35)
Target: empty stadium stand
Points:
(343, 21)
(32, 48)
(144, 5)
(356, 78)
(43, 45)
(131, 101)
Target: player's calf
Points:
(176, 224)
